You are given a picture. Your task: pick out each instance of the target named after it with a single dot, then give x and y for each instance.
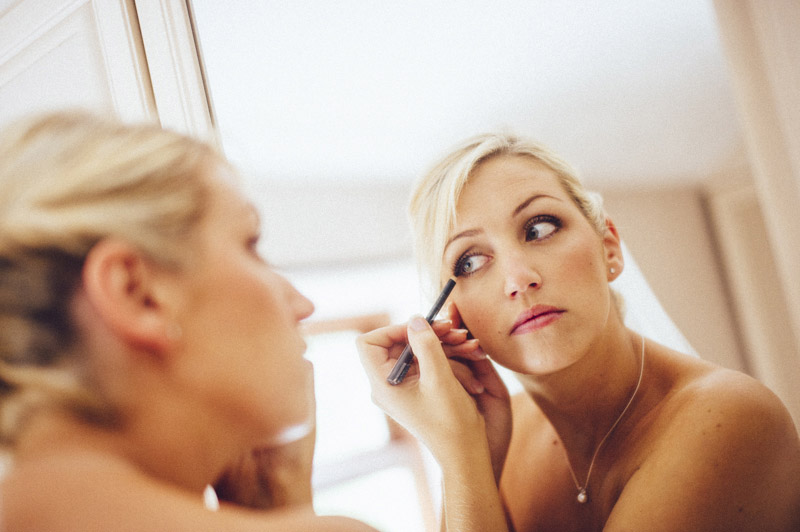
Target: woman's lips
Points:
(536, 318)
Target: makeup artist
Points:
(146, 349)
(613, 432)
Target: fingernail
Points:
(418, 324)
(460, 331)
(477, 388)
(443, 322)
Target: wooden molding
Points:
(174, 67)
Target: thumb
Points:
(427, 348)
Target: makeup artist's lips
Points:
(535, 318)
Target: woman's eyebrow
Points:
(519, 209)
(530, 200)
(462, 234)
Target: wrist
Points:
(465, 453)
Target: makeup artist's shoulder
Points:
(101, 494)
(339, 524)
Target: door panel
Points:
(77, 53)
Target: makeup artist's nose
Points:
(304, 306)
(519, 277)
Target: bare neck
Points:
(159, 444)
(584, 400)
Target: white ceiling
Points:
(630, 91)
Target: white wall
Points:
(668, 232)
(332, 224)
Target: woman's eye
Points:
(469, 264)
(541, 227)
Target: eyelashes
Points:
(536, 229)
(253, 244)
(541, 226)
(469, 263)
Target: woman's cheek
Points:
(477, 322)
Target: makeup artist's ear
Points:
(127, 291)
(612, 246)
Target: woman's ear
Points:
(128, 292)
(612, 246)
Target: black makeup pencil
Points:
(403, 363)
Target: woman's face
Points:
(244, 351)
(532, 273)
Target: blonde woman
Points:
(146, 349)
(614, 432)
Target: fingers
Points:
(453, 315)
(456, 343)
(452, 336)
(384, 337)
(380, 348)
(485, 373)
(467, 379)
(395, 335)
(427, 347)
(378, 351)
(470, 350)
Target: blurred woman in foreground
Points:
(146, 349)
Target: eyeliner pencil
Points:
(403, 363)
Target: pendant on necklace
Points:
(582, 497)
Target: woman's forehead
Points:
(229, 202)
(507, 179)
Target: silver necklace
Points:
(583, 496)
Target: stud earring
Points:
(612, 270)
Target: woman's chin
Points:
(536, 366)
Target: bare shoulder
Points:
(725, 456)
(725, 406)
(525, 410)
(84, 493)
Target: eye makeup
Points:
(535, 229)
(463, 267)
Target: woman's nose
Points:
(304, 306)
(301, 306)
(519, 276)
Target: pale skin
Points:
(701, 448)
(204, 405)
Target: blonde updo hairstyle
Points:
(67, 181)
(435, 196)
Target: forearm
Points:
(470, 495)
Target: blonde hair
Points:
(434, 199)
(68, 180)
